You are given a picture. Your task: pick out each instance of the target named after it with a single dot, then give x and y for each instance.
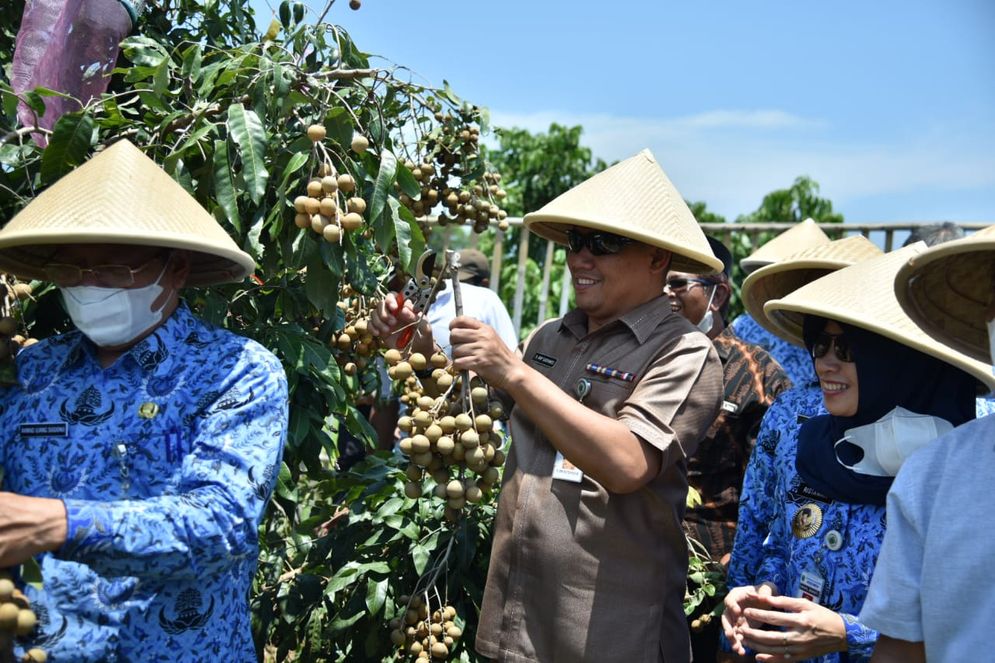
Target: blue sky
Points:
(889, 105)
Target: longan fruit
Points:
(316, 132)
(360, 143)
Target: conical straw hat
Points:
(120, 196)
(633, 198)
(777, 280)
(799, 237)
(863, 295)
(947, 290)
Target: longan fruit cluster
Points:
(10, 340)
(451, 440)
(452, 155)
(17, 620)
(422, 636)
(330, 206)
(355, 343)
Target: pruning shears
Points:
(421, 289)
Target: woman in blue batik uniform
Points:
(816, 564)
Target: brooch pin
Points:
(611, 372)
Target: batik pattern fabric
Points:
(816, 547)
(752, 380)
(794, 359)
(761, 480)
(165, 462)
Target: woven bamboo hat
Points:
(947, 289)
(863, 295)
(783, 277)
(804, 235)
(120, 196)
(636, 199)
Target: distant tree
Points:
(798, 202)
(535, 169)
(704, 215)
(538, 167)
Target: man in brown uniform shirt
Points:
(589, 558)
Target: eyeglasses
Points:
(839, 343)
(600, 243)
(108, 276)
(679, 284)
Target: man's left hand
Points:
(28, 526)
(478, 348)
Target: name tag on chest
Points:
(564, 470)
(44, 429)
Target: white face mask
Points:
(113, 316)
(891, 439)
(705, 324)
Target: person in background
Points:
(931, 594)
(479, 302)
(752, 380)
(887, 387)
(474, 268)
(933, 234)
(792, 359)
(140, 449)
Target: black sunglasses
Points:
(839, 343)
(600, 243)
(680, 283)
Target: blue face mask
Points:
(113, 316)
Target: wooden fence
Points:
(453, 237)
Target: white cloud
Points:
(731, 158)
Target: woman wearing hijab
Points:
(888, 388)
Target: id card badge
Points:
(811, 586)
(564, 470)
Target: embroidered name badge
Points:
(545, 360)
(44, 429)
(611, 372)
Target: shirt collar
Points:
(641, 321)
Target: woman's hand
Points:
(807, 629)
(734, 616)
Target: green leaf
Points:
(390, 507)
(338, 126)
(296, 163)
(321, 286)
(248, 132)
(160, 81)
(224, 186)
(420, 556)
(376, 594)
(67, 146)
(285, 486)
(192, 60)
(409, 184)
(31, 573)
(410, 240)
(144, 51)
(384, 182)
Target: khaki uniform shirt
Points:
(578, 573)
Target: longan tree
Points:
(317, 162)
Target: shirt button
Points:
(833, 540)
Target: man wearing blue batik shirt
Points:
(138, 451)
